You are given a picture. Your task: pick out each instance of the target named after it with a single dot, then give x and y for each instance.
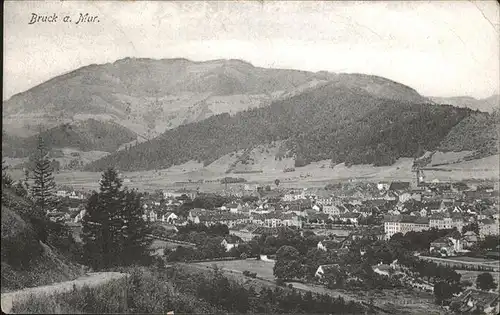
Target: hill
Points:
(478, 132)
(488, 104)
(340, 120)
(86, 135)
(27, 259)
(150, 96)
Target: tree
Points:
(287, 265)
(92, 233)
(442, 291)
(6, 179)
(134, 229)
(277, 182)
(113, 230)
(485, 281)
(43, 187)
(20, 190)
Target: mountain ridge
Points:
(488, 104)
(149, 96)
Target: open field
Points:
(263, 269)
(317, 174)
(403, 301)
(472, 276)
(476, 260)
(458, 262)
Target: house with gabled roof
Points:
(231, 241)
(469, 239)
(323, 269)
(446, 246)
(169, 217)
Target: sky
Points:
(448, 48)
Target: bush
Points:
(20, 251)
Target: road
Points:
(90, 280)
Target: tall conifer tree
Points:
(134, 229)
(114, 232)
(43, 187)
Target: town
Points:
(454, 225)
(251, 157)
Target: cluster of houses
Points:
(402, 208)
(71, 194)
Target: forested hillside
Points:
(87, 135)
(478, 132)
(336, 121)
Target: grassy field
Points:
(471, 276)
(317, 174)
(263, 269)
(403, 301)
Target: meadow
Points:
(405, 301)
(193, 175)
(263, 269)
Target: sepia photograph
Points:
(250, 157)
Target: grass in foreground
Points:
(142, 292)
(158, 291)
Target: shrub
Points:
(20, 251)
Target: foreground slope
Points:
(26, 260)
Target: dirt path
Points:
(91, 280)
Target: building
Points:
(230, 241)
(75, 195)
(275, 219)
(333, 209)
(320, 272)
(78, 218)
(350, 217)
(62, 193)
(446, 246)
(404, 224)
(440, 221)
(383, 186)
(333, 245)
(469, 239)
(169, 217)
